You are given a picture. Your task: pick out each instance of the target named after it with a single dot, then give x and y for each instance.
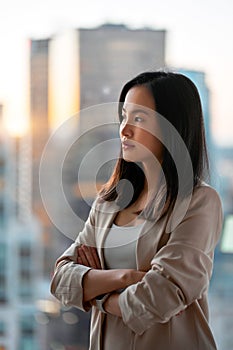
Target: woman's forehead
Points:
(139, 97)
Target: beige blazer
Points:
(179, 266)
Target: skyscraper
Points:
(40, 131)
(20, 248)
(112, 54)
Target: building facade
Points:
(20, 248)
(112, 54)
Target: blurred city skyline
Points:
(198, 38)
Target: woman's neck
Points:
(152, 171)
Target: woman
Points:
(144, 258)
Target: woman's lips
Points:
(127, 145)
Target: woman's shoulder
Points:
(206, 201)
(205, 192)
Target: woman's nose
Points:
(126, 130)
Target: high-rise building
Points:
(20, 248)
(112, 54)
(39, 123)
(39, 62)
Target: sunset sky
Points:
(199, 37)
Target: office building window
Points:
(25, 271)
(2, 328)
(27, 333)
(2, 214)
(3, 273)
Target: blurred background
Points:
(59, 58)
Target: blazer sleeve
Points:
(181, 270)
(66, 284)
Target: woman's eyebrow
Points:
(135, 111)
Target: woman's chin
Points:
(129, 159)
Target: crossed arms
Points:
(97, 281)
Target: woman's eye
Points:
(138, 119)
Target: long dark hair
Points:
(178, 101)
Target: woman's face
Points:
(139, 127)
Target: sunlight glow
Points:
(17, 125)
(63, 78)
(16, 102)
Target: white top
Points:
(120, 247)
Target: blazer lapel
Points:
(105, 220)
(152, 238)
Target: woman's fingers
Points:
(96, 257)
(82, 259)
(79, 261)
(88, 256)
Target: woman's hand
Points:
(111, 305)
(88, 256)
